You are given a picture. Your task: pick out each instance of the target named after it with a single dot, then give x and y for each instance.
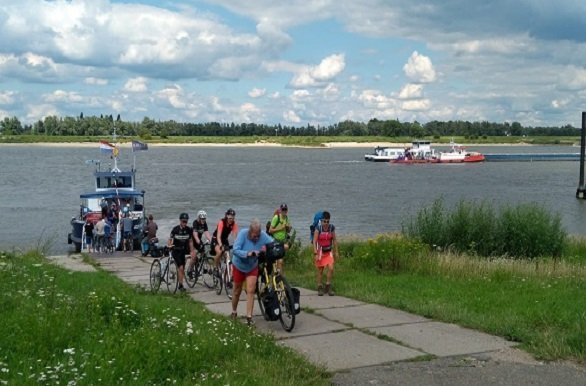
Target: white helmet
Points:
(202, 214)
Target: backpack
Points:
(316, 221)
(277, 211)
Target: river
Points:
(41, 185)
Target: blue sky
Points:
(295, 62)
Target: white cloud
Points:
(291, 117)
(416, 105)
(419, 68)
(63, 97)
(7, 97)
(410, 91)
(138, 84)
(257, 92)
(326, 70)
(96, 81)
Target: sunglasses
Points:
(325, 221)
(230, 218)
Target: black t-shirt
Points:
(200, 228)
(181, 236)
(89, 229)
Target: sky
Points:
(295, 62)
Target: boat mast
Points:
(115, 152)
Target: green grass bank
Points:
(78, 328)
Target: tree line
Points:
(147, 128)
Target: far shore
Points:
(325, 145)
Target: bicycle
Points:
(203, 268)
(164, 269)
(225, 273)
(274, 294)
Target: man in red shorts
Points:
(247, 246)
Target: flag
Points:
(138, 146)
(107, 147)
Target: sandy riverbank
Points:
(326, 145)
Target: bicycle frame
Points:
(274, 280)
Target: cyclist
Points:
(200, 229)
(247, 246)
(279, 229)
(181, 239)
(220, 236)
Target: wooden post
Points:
(580, 193)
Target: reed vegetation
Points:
(521, 231)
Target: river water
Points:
(41, 185)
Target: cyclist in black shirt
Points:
(181, 239)
(200, 229)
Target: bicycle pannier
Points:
(271, 304)
(296, 299)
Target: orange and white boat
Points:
(421, 153)
(458, 154)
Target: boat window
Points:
(114, 182)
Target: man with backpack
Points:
(325, 249)
(279, 229)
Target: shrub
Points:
(524, 231)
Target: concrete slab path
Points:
(366, 343)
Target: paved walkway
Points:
(370, 344)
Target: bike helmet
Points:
(183, 216)
(202, 214)
(230, 212)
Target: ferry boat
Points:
(384, 154)
(115, 191)
(459, 154)
(422, 152)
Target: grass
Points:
(538, 303)
(62, 327)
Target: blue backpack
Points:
(316, 221)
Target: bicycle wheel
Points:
(286, 303)
(191, 274)
(207, 273)
(227, 279)
(172, 276)
(218, 283)
(155, 275)
(261, 288)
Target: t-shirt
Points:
(200, 228)
(325, 237)
(127, 224)
(89, 229)
(279, 220)
(180, 236)
(100, 227)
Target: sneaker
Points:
(320, 290)
(249, 321)
(181, 288)
(190, 274)
(233, 315)
(329, 290)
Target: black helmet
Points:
(183, 216)
(230, 212)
